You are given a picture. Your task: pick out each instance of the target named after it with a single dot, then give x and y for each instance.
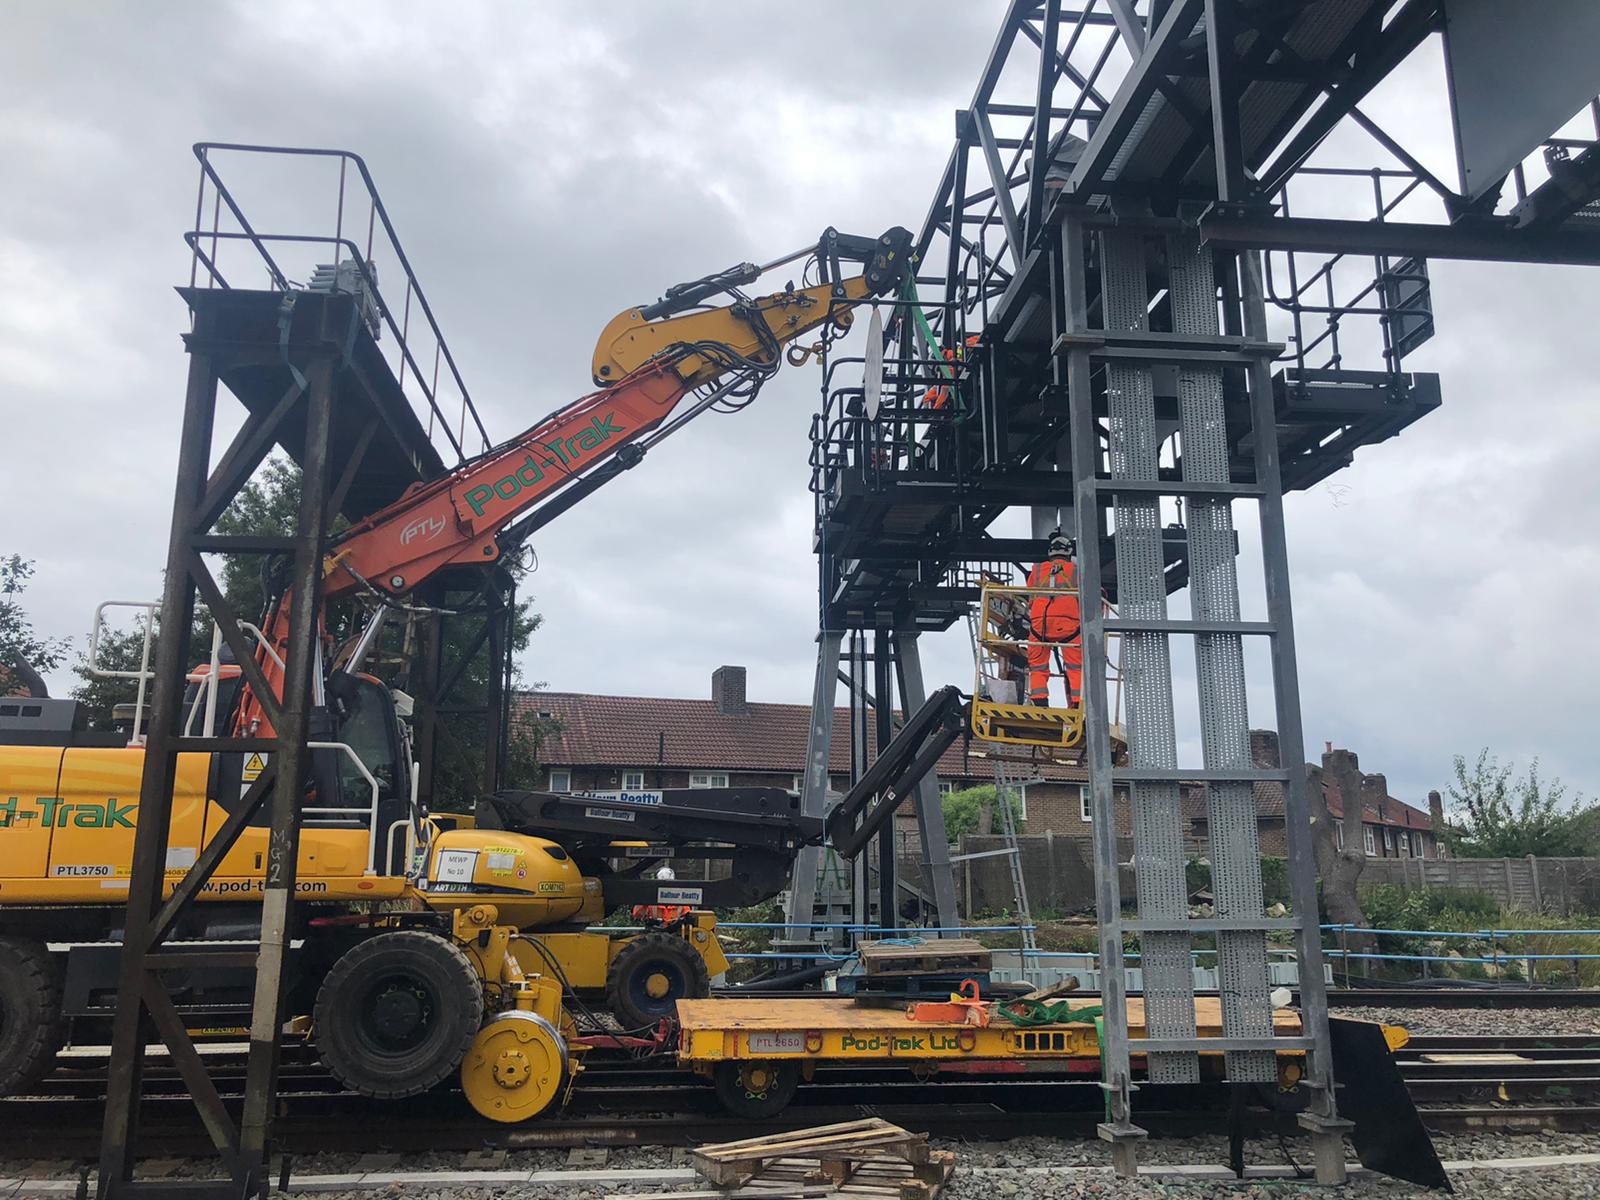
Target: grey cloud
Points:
(547, 168)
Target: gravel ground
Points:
(993, 1183)
(1491, 1021)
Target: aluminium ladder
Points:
(1010, 782)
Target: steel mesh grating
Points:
(1219, 660)
(1147, 670)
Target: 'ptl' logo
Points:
(565, 453)
(426, 528)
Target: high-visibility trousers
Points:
(1040, 652)
(665, 913)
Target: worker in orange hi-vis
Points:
(938, 397)
(1055, 624)
(665, 913)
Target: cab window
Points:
(366, 730)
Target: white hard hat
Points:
(665, 873)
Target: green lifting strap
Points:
(1037, 1012)
(925, 331)
(1100, 1036)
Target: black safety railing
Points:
(226, 246)
(1393, 301)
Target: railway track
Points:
(1460, 1083)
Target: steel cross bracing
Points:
(307, 366)
(1093, 330)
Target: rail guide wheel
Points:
(756, 1090)
(515, 1067)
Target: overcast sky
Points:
(547, 167)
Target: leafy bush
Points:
(963, 809)
(1274, 879)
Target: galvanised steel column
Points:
(1327, 1129)
(883, 732)
(1158, 825)
(1116, 1079)
(301, 677)
(1233, 836)
(930, 809)
(814, 786)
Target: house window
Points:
(560, 779)
(946, 786)
(708, 779)
(1369, 839)
(1119, 796)
(1338, 835)
(1416, 844)
(1388, 840)
(633, 781)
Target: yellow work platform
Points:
(839, 1029)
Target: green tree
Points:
(98, 697)
(964, 811)
(24, 655)
(1495, 815)
(268, 505)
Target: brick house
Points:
(1391, 828)
(627, 743)
(637, 743)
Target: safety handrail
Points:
(377, 216)
(144, 674)
(371, 812)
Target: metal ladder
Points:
(1010, 781)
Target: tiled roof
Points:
(1395, 812)
(651, 731)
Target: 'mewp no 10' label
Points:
(456, 866)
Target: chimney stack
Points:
(1436, 812)
(1264, 747)
(727, 691)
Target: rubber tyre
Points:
(649, 954)
(30, 1014)
(756, 1090)
(395, 1015)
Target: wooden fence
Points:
(1549, 885)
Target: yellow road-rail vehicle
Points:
(422, 945)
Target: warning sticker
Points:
(501, 862)
(253, 766)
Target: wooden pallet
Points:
(867, 1158)
(941, 956)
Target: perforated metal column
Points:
(1234, 844)
(1159, 857)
